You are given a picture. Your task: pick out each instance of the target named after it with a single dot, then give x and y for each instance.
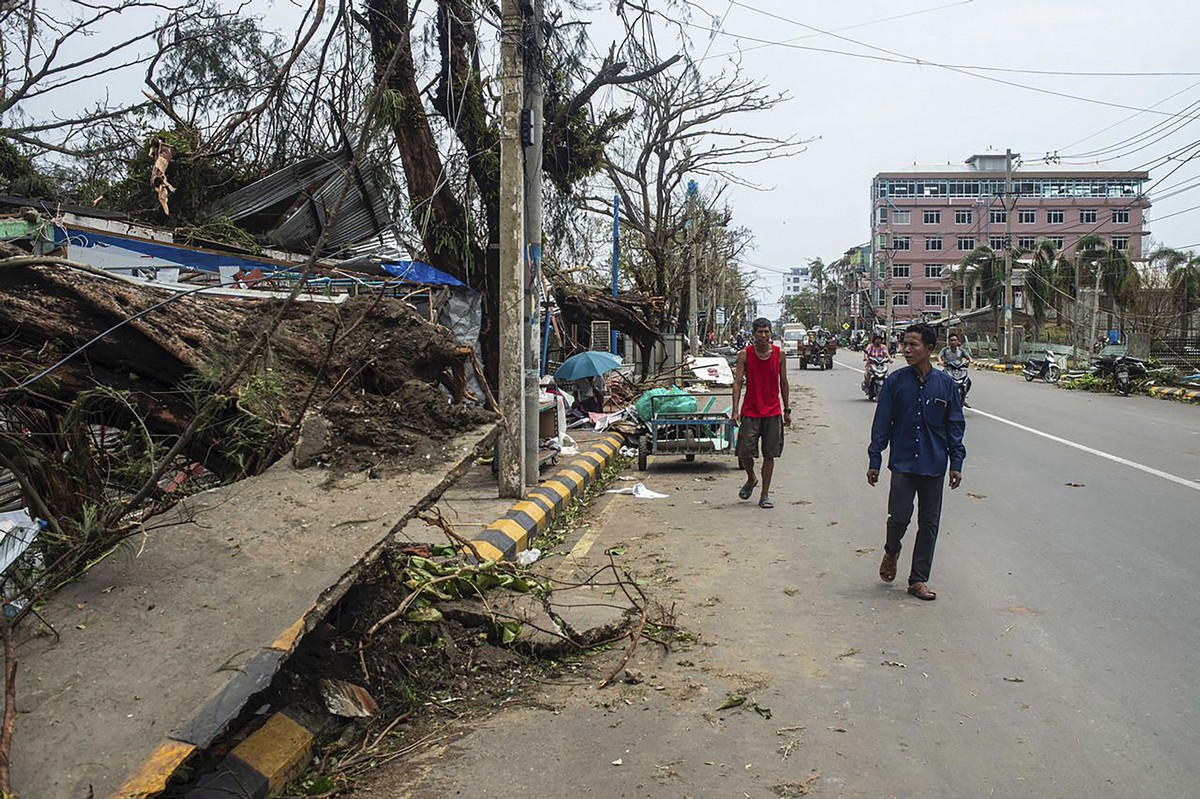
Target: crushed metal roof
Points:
(314, 188)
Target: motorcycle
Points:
(1122, 369)
(1045, 367)
(877, 370)
(961, 379)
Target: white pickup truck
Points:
(793, 336)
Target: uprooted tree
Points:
(201, 382)
(454, 191)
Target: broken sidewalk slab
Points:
(567, 619)
(196, 613)
(512, 532)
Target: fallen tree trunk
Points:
(370, 366)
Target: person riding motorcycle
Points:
(955, 356)
(877, 349)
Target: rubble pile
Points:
(387, 385)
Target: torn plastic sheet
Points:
(712, 370)
(639, 490)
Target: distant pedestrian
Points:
(762, 416)
(920, 416)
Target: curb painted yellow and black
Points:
(217, 714)
(213, 718)
(262, 765)
(511, 533)
(1182, 394)
(998, 367)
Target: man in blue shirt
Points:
(920, 415)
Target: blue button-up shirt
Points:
(922, 420)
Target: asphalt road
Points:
(1059, 660)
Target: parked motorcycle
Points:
(961, 379)
(1045, 367)
(877, 370)
(1122, 369)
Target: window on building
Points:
(933, 299)
(1087, 216)
(1027, 217)
(933, 217)
(1120, 217)
(901, 242)
(1026, 242)
(995, 242)
(966, 243)
(1057, 241)
(997, 217)
(980, 300)
(933, 242)
(933, 270)
(881, 298)
(900, 270)
(881, 214)
(898, 297)
(900, 217)
(1120, 243)
(1055, 217)
(963, 217)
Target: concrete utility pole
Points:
(531, 138)
(693, 315)
(511, 460)
(1009, 206)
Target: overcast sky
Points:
(875, 110)
(873, 116)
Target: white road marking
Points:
(1141, 467)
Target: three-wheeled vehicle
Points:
(818, 350)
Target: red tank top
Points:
(762, 384)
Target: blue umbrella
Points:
(587, 364)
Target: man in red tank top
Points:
(761, 416)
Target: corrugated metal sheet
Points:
(307, 175)
(315, 186)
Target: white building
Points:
(795, 280)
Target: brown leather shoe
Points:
(887, 569)
(922, 591)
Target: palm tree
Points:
(1183, 276)
(1040, 289)
(1110, 269)
(984, 267)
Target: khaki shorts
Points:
(768, 429)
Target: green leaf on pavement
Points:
(732, 700)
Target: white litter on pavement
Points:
(639, 490)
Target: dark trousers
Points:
(928, 493)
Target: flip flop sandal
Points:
(747, 490)
(922, 591)
(766, 502)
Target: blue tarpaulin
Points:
(416, 272)
(112, 251)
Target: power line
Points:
(1131, 116)
(822, 32)
(1175, 213)
(892, 18)
(900, 58)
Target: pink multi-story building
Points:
(926, 219)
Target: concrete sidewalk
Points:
(162, 643)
